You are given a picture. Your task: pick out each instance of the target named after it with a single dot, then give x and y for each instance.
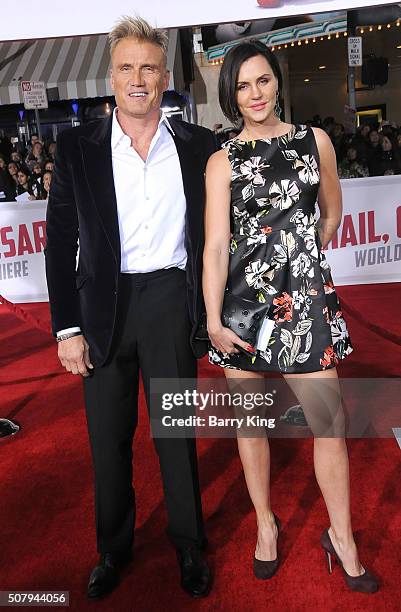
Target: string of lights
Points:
(360, 30)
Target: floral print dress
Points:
(276, 256)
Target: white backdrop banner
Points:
(22, 241)
(367, 246)
(60, 18)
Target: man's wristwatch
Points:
(61, 337)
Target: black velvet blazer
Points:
(82, 204)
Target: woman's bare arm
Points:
(329, 196)
(217, 235)
(216, 252)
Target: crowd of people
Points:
(371, 151)
(27, 175)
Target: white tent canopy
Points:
(77, 66)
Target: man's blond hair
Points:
(138, 28)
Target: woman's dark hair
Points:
(228, 79)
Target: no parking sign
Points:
(34, 93)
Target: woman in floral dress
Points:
(262, 244)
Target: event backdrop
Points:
(22, 241)
(60, 18)
(366, 249)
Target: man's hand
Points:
(74, 355)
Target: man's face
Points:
(374, 137)
(138, 77)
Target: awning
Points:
(297, 34)
(78, 66)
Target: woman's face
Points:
(365, 130)
(22, 177)
(351, 154)
(2, 163)
(37, 169)
(399, 140)
(386, 144)
(12, 168)
(256, 90)
(49, 167)
(47, 179)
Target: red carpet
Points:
(47, 539)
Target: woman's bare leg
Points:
(330, 457)
(255, 457)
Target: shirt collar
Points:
(117, 134)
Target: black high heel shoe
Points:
(266, 569)
(365, 583)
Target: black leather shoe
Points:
(196, 578)
(105, 577)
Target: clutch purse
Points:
(244, 317)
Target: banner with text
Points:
(367, 246)
(22, 241)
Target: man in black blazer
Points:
(131, 189)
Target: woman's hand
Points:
(224, 340)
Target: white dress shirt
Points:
(151, 203)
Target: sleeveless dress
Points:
(276, 256)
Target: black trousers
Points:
(151, 336)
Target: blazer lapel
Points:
(97, 162)
(188, 154)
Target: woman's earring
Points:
(277, 107)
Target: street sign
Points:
(34, 93)
(355, 51)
